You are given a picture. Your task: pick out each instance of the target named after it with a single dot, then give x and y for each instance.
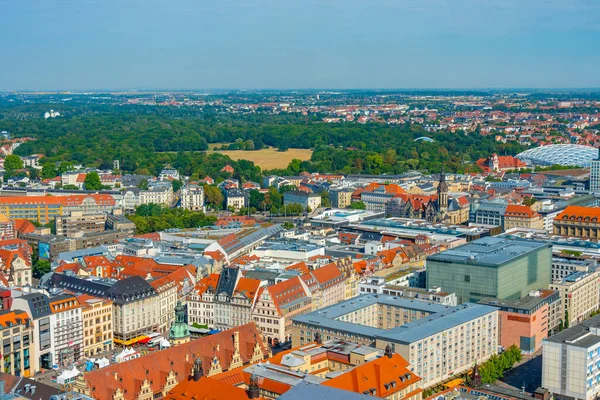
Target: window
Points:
(467, 278)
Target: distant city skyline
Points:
(299, 44)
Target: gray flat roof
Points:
(489, 251)
(440, 317)
(578, 335)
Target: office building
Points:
(571, 362)
(595, 176)
(78, 222)
(67, 330)
(564, 265)
(341, 198)
(580, 293)
(526, 322)
(520, 216)
(506, 269)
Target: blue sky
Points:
(109, 44)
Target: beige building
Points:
(18, 349)
(97, 324)
(15, 267)
(192, 198)
(520, 216)
(580, 293)
(79, 221)
(341, 198)
(201, 303)
(167, 300)
(276, 305)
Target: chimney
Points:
(116, 376)
(236, 341)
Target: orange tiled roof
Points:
(328, 275)
(24, 225)
(12, 316)
(377, 374)
(208, 283)
(155, 367)
(286, 291)
(518, 210)
(300, 267)
(72, 200)
(206, 389)
(390, 188)
(248, 287)
(62, 304)
(579, 213)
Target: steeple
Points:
(179, 332)
(442, 191)
(475, 377)
(318, 338)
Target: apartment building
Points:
(306, 200)
(520, 216)
(341, 198)
(15, 267)
(276, 305)
(329, 286)
(156, 195)
(235, 199)
(580, 293)
(192, 198)
(201, 301)
(37, 307)
(97, 324)
(571, 362)
(376, 195)
(17, 343)
(166, 289)
(67, 331)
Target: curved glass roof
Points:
(561, 154)
(424, 139)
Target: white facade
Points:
(595, 176)
(192, 198)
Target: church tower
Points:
(442, 192)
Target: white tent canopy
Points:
(68, 376)
(102, 362)
(126, 355)
(164, 344)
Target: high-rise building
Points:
(595, 175)
(506, 269)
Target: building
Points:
(506, 269)
(7, 228)
(595, 175)
(37, 307)
(136, 306)
(388, 377)
(97, 324)
(15, 267)
(490, 212)
(580, 293)
(496, 163)
(467, 333)
(235, 199)
(341, 198)
(179, 332)
(378, 285)
(166, 289)
(308, 201)
(577, 221)
(168, 174)
(570, 363)
(277, 304)
(520, 216)
(192, 198)
(18, 337)
(78, 222)
(201, 301)
(67, 331)
(376, 195)
(564, 265)
(526, 322)
(155, 374)
(44, 209)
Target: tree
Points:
(49, 170)
(213, 196)
(143, 185)
(288, 225)
(325, 202)
(40, 268)
(358, 205)
(92, 181)
(177, 184)
(12, 163)
(70, 187)
(256, 199)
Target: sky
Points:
(296, 44)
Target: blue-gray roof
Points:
(489, 251)
(305, 390)
(92, 251)
(440, 318)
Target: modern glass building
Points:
(561, 154)
(506, 269)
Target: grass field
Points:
(265, 158)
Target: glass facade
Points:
(512, 280)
